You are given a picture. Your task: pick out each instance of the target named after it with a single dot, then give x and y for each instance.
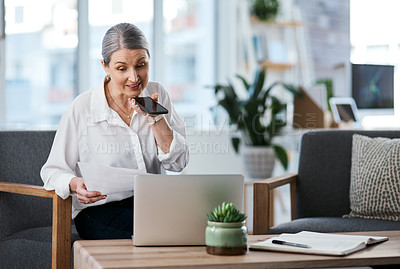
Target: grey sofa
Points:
(26, 220)
(320, 188)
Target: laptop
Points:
(172, 209)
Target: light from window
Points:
(19, 14)
(40, 61)
(103, 15)
(189, 57)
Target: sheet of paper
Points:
(108, 179)
(343, 237)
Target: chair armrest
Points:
(61, 234)
(27, 189)
(262, 200)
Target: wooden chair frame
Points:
(263, 200)
(61, 233)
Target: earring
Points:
(107, 79)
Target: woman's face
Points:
(129, 71)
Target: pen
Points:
(280, 242)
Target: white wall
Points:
(211, 152)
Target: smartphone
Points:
(150, 106)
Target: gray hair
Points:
(123, 36)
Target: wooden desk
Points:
(122, 254)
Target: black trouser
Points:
(112, 220)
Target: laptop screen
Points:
(172, 209)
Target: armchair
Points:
(319, 191)
(30, 236)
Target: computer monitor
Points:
(373, 85)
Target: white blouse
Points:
(90, 131)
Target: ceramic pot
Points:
(258, 161)
(226, 238)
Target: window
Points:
(44, 59)
(374, 42)
(105, 13)
(41, 42)
(19, 14)
(183, 53)
(189, 57)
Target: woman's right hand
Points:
(84, 196)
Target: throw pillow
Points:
(375, 178)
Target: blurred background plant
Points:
(257, 117)
(265, 10)
(329, 89)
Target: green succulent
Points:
(227, 212)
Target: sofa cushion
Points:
(25, 253)
(332, 225)
(375, 178)
(30, 247)
(41, 234)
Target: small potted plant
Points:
(265, 10)
(226, 233)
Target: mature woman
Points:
(106, 118)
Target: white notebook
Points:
(318, 243)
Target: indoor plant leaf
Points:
(258, 84)
(291, 88)
(235, 143)
(281, 155)
(244, 81)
